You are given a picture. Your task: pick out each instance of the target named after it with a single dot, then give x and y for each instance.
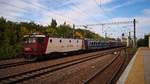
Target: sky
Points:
(83, 12)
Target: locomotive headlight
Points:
(27, 49)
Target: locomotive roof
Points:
(65, 38)
(34, 35)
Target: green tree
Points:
(9, 44)
(143, 42)
(53, 23)
(11, 34)
(65, 31)
(2, 30)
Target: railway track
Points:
(3, 66)
(49, 69)
(113, 79)
(102, 70)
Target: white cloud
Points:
(142, 25)
(128, 2)
(146, 11)
(102, 2)
(8, 8)
(80, 12)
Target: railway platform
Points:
(138, 70)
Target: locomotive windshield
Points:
(40, 39)
(29, 40)
(33, 39)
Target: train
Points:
(38, 45)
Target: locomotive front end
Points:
(33, 46)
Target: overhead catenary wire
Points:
(41, 7)
(45, 8)
(82, 12)
(18, 17)
(111, 23)
(99, 5)
(104, 24)
(26, 12)
(48, 10)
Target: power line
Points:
(22, 11)
(35, 5)
(46, 9)
(99, 5)
(111, 23)
(57, 13)
(81, 11)
(104, 24)
(12, 5)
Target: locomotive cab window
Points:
(33, 39)
(40, 39)
(29, 40)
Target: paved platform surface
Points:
(146, 54)
(138, 70)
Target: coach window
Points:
(70, 41)
(92, 43)
(50, 40)
(60, 41)
(77, 41)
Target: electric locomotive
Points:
(38, 45)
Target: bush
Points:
(9, 51)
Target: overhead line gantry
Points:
(114, 23)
